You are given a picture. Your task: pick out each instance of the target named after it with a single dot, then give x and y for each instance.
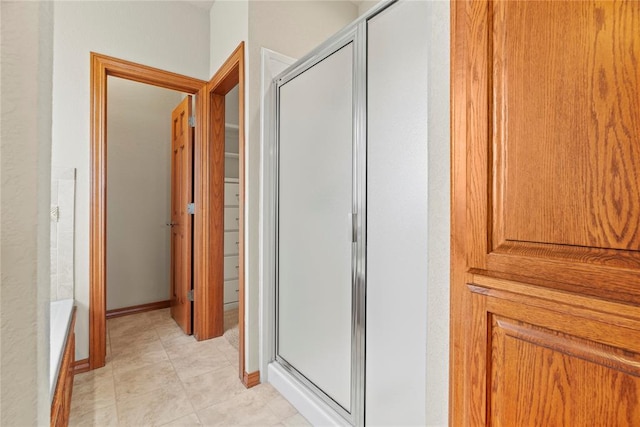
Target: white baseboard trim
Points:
(308, 404)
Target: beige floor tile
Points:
(158, 375)
(180, 348)
(145, 379)
(177, 340)
(162, 315)
(266, 391)
(168, 332)
(133, 342)
(229, 351)
(244, 409)
(156, 407)
(296, 420)
(213, 387)
(139, 357)
(128, 325)
(201, 361)
(103, 417)
(163, 322)
(186, 421)
(281, 408)
(93, 390)
(92, 376)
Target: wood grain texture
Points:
(103, 66)
(61, 403)
(81, 366)
(209, 197)
(545, 215)
(568, 122)
(459, 297)
(181, 220)
(573, 381)
(135, 309)
(251, 379)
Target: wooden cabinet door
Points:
(545, 316)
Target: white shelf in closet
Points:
(231, 225)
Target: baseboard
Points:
(309, 405)
(251, 379)
(135, 309)
(80, 366)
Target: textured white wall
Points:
(292, 28)
(171, 35)
(25, 175)
(139, 196)
(228, 27)
(439, 225)
(365, 5)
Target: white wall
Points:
(229, 27)
(139, 196)
(25, 175)
(438, 214)
(365, 5)
(293, 29)
(173, 36)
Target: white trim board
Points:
(272, 64)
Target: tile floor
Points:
(156, 375)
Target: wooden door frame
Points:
(230, 74)
(103, 66)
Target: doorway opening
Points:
(141, 224)
(208, 195)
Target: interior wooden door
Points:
(545, 320)
(181, 230)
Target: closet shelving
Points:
(231, 216)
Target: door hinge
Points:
(192, 121)
(191, 208)
(190, 295)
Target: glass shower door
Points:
(315, 249)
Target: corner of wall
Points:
(25, 164)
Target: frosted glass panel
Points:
(397, 238)
(315, 203)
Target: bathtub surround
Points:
(63, 187)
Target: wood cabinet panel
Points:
(563, 126)
(545, 291)
(542, 358)
(566, 122)
(544, 377)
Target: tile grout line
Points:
(113, 377)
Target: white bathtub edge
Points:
(60, 316)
